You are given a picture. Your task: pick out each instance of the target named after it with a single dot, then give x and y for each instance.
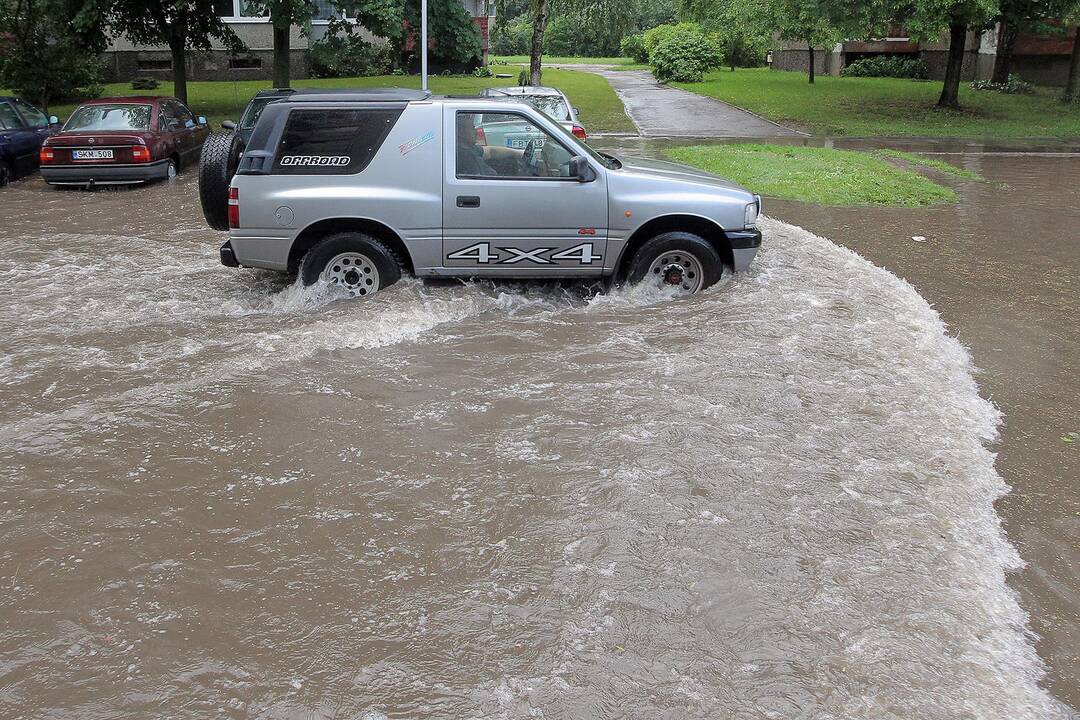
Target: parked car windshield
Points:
(110, 117)
(254, 110)
(551, 105)
(9, 119)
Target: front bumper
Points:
(744, 247)
(104, 174)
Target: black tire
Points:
(712, 267)
(382, 258)
(6, 174)
(217, 165)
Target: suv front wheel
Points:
(354, 262)
(676, 259)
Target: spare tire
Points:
(217, 165)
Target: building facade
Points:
(1043, 60)
(125, 60)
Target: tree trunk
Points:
(1003, 59)
(540, 21)
(179, 67)
(1072, 85)
(950, 91)
(281, 57)
(810, 47)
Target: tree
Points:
(1072, 85)
(179, 24)
(541, 15)
(47, 47)
(283, 15)
(617, 14)
(1029, 17)
(809, 21)
(927, 19)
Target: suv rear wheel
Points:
(6, 175)
(357, 263)
(678, 259)
(217, 165)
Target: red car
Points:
(123, 141)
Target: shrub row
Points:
(888, 66)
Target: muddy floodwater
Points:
(227, 496)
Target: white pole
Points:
(423, 44)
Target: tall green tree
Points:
(284, 14)
(47, 47)
(926, 20)
(1072, 85)
(808, 21)
(179, 24)
(1023, 17)
(616, 14)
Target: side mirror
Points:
(202, 119)
(228, 124)
(577, 111)
(53, 120)
(581, 169)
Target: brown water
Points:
(227, 496)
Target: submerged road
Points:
(226, 496)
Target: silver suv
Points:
(356, 188)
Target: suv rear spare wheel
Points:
(679, 259)
(357, 263)
(217, 165)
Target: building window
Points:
(237, 63)
(153, 64)
(236, 9)
(324, 11)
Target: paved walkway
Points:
(662, 111)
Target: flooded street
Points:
(226, 496)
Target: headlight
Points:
(751, 213)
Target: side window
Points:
(9, 117)
(169, 119)
(332, 142)
(507, 145)
(34, 117)
(186, 117)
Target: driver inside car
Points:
(470, 153)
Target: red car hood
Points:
(102, 138)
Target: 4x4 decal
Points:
(481, 253)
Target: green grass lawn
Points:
(888, 106)
(932, 163)
(601, 109)
(557, 60)
(817, 175)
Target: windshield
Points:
(608, 161)
(551, 105)
(110, 117)
(254, 110)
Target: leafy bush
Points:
(652, 37)
(633, 46)
(523, 77)
(144, 83)
(483, 71)
(1015, 85)
(685, 55)
(511, 38)
(888, 66)
(347, 56)
(580, 36)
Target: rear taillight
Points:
(140, 153)
(234, 207)
(47, 155)
(481, 138)
(579, 132)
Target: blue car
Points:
(22, 130)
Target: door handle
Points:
(468, 201)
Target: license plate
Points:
(91, 155)
(520, 143)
